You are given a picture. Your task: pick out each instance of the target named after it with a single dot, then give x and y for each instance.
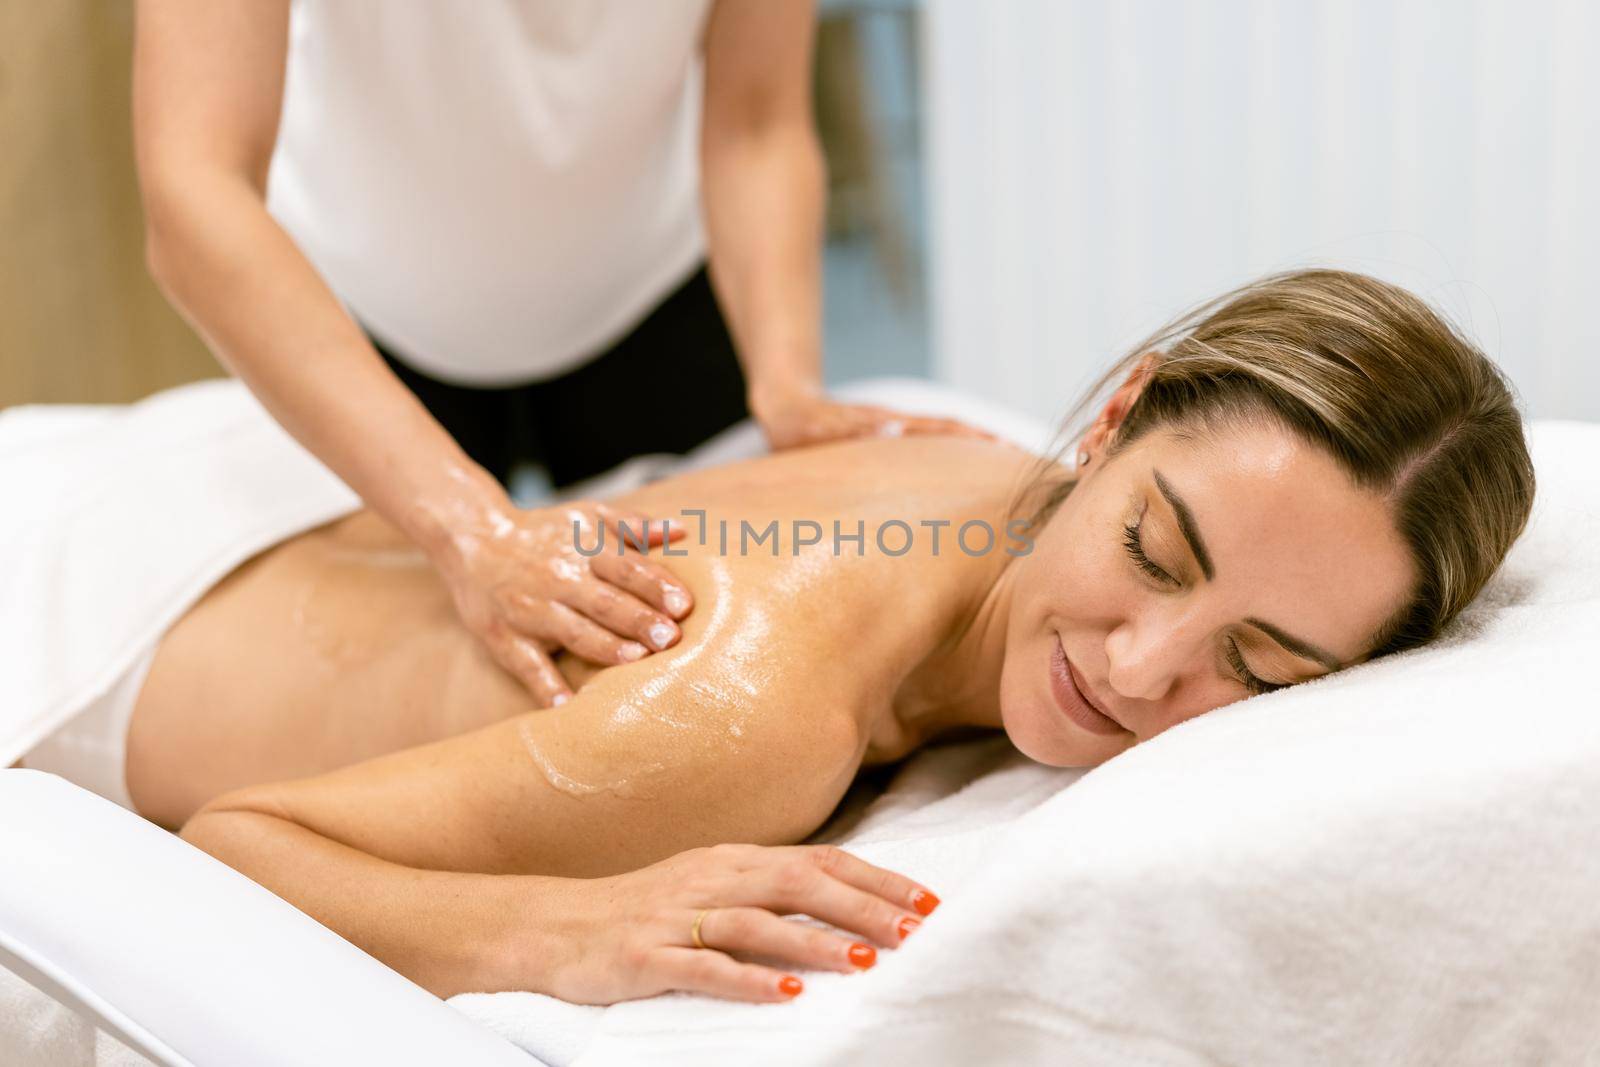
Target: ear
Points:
(1116, 410)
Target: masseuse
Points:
(435, 238)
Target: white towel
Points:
(117, 519)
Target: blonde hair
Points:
(1369, 373)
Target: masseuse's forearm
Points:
(245, 286)
(763, 189)
(449, 932)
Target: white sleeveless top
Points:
(498, 188)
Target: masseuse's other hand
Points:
(631, 935)
(803, 418)
(521, 585)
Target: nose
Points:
(1145, 657)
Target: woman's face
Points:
(1191, 570)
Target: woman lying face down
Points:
(1306, 473)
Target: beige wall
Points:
(80, 320)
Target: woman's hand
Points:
(803, 418)
(521, 585)
(631, 935)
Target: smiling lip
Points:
(1070, 699)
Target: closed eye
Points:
(1248, 679)
(1135, 547)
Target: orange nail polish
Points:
(924, 901)
(790, 986)
(863, 956)
(907, 925)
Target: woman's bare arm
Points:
(449, 932)
(617, 778)
(393, 853)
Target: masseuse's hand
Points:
(810, 418)
(521, 585)
(630, 935)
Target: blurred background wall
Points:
(80, 319)
(870, 118)
(1096, 167)
(1018, 190)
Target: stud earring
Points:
(1083, 458)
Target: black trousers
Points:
(669, 385)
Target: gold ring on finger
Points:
(694, 931)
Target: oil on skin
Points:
(698, 702)
(340, 644)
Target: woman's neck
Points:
(958, 683)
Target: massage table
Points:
(1396, 864)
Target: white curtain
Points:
(1095, 167)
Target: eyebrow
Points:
(1186, 523)
(1303, 649)
(1197, 545)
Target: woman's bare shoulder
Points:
(792, 561)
